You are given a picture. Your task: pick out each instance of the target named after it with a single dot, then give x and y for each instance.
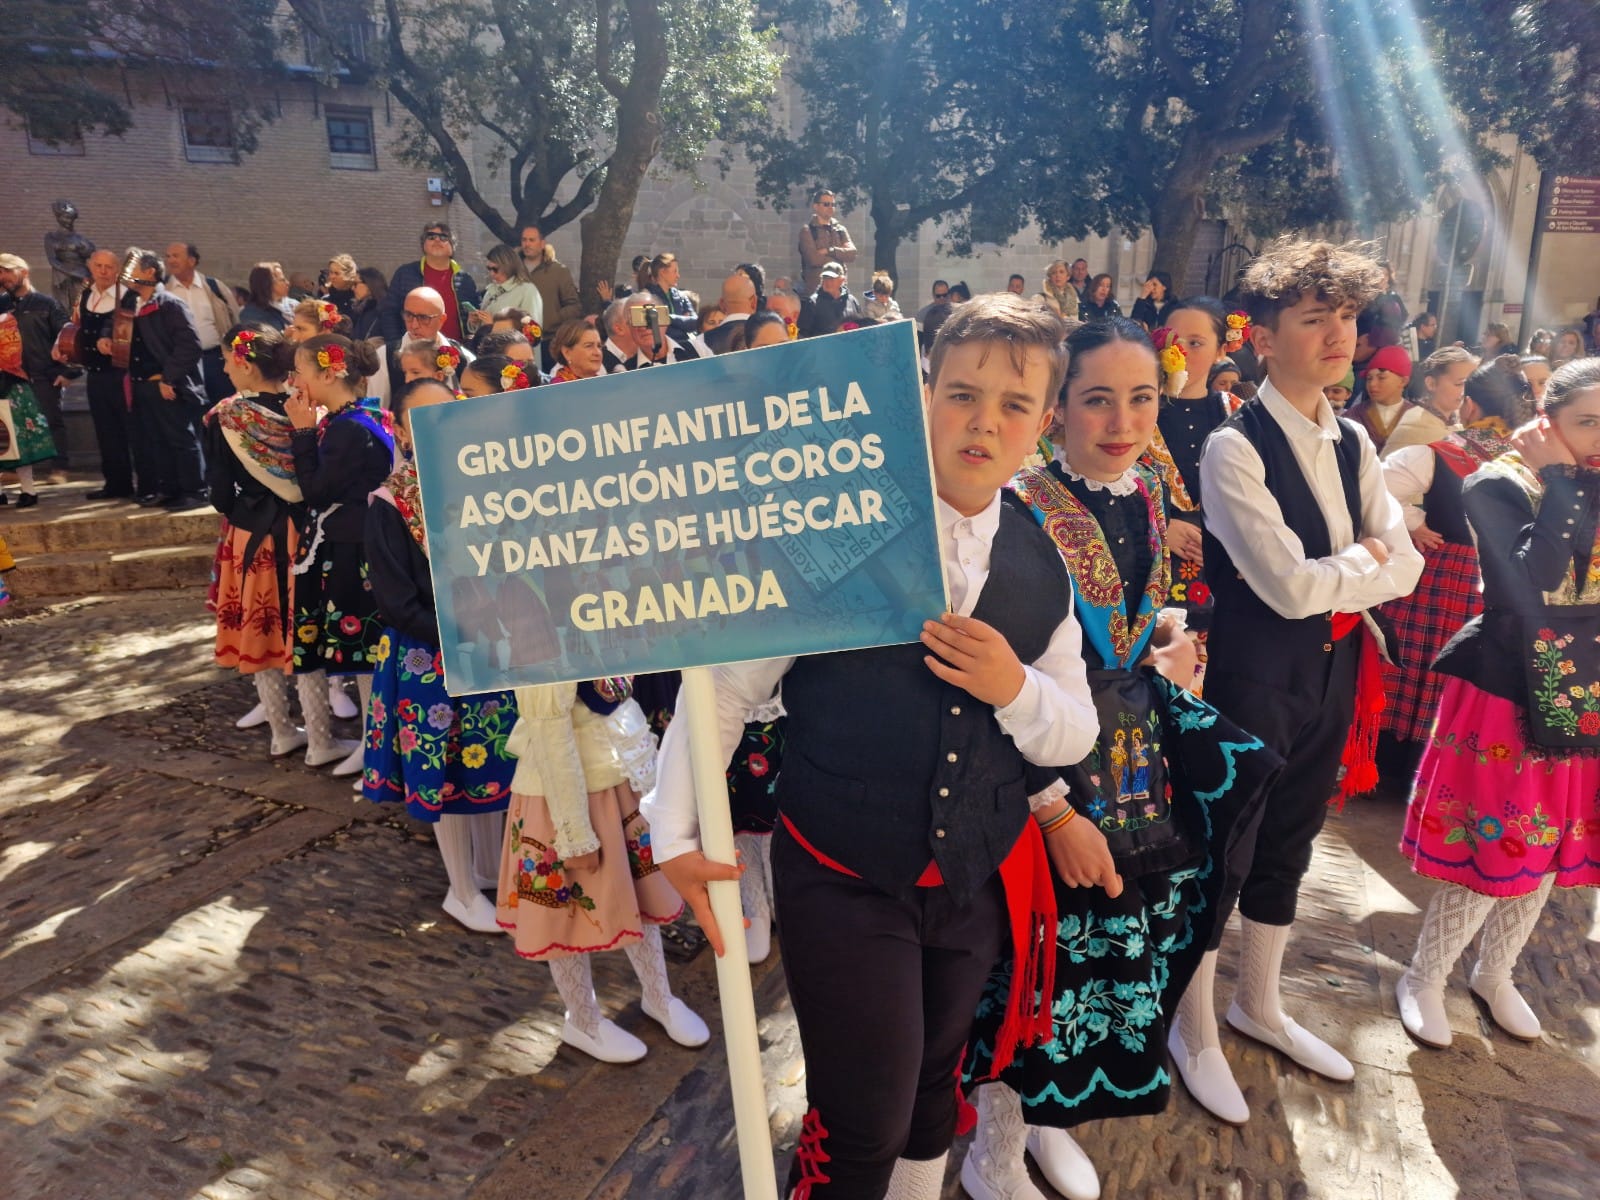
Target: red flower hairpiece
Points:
(331, 358)
(513, 378)
(448, 358)
(327, 315)
(531, 331)
(243, 346)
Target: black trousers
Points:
(1307, 727)
(884, 990)
(48, 395)
(108, 409)
(173, 446)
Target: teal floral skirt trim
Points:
(1122, 964)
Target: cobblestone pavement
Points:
(221, 976)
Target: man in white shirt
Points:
(214, 311)
(1300, 537)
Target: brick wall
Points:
(283, 202)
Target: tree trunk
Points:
(886, 238)
(638, 138)
(1175, 218)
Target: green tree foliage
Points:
(565, 104)
(1135, 114)
(925, 110)
(67, 63)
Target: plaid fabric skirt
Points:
(1446, 598)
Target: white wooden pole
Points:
(733, 968)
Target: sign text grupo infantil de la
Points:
(769, 502)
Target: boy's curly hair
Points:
(1292, 268)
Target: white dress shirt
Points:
(1408, 474)
(1246, 518)
(1052, 720)
(102, 301)
(197, 296)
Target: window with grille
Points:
(351, 146)
(207, 134)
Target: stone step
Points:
(89, 572)
(106, 525)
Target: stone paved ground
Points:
(221, 976)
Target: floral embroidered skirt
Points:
(34, 443)
(753, 776)
(251, 623)
(336, 622)
(1122, 964)
(553, 912)
(438, 754)
(1494, 815)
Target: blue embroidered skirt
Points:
(1122, 965)
(438, 754)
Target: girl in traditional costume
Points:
(577, 876)
(445, 757)
(1198, 335)
(250, 477)
(1169, 790)
(30, 441)
(1507, 798)
(1427, 480)
(339, 460)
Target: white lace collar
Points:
(1126, 484)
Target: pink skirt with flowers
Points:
(1494, 815)
(552, 911)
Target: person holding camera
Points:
(636, 336)
(823, 240)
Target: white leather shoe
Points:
(681, 1024)
(339, 701)
(758, 939)
(1209, 1080)
(352, 762)
(610, 1043)
(1509, 1010)
(1310, 1051)
(256, 716)
(477, 914)
(334, 751)
(1422, 1011)
(1063, 1163)
(287, 745)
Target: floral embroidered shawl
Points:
(1102, 607)
(259, 437)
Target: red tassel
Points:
(1031, 910)
(1360, 756)
(966, 1115)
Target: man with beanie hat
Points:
(1383, 401)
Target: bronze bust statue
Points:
(67, 252)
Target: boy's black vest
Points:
(1248, 636)
(887, 766)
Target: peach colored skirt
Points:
(553, 912)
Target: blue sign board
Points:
(765, 503)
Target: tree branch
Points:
(602, 51)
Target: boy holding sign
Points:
(904, 855)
